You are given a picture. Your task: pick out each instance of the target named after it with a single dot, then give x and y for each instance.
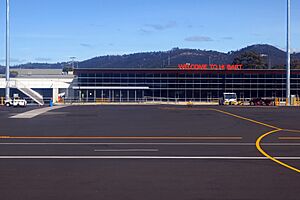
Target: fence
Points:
(245, 101)
(136, 100)
(277, 101)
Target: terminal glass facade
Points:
(132, 85)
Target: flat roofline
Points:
(180, 71)
(171, 69)
(41, 77)
(110, 88)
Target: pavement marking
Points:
(258, 145)
(33, 113)
(224, 112)
(258, 141)
(4, 137)
(276, 160)
(192, 109)
(289, 138)
(158, 144)
(293, 131)
(149, 157)
(126, 150)
(246, 119)
(122, 138)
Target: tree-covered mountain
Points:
(268, 57)
(271, 56)
(156, 59)
(255, 56)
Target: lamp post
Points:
(288, 52)
(7, 88)
(73, 61)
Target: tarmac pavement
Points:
(149, 152)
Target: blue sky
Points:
(54, 30)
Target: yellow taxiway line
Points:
(258, 146)
(258, 141)
(246, 119)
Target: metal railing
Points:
(138, 100)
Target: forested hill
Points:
(255, 56)
(258, 56)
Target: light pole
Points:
(288, 52)
(73, 62)
(7, 89)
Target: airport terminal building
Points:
(139, 85)
(145, 85)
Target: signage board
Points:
(189, 66)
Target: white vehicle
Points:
(16, 102)
(229, 99)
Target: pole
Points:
(7, 89)
(73, 62)
(288, 51)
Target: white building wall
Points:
(40, 83)
(35, 83)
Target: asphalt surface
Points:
(149, 152)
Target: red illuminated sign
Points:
(188, 66)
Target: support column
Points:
(79, 95)
(55, 95)
(128, 96)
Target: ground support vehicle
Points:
(229, 99)
(16, 102)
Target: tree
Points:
(67, 68)
(250, 60)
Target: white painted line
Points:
(149, 157)
(126, 150)
(34, 113)
(158, 144)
